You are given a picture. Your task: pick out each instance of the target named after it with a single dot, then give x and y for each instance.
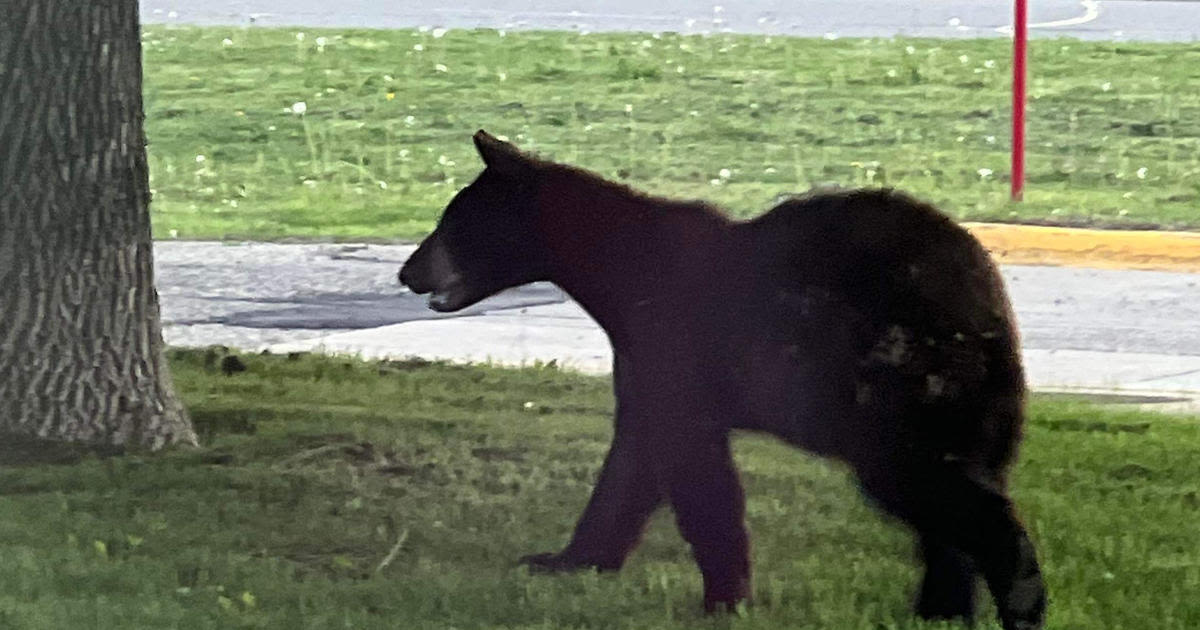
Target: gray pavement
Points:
(1159, 20)
(1082, 329)
(1090, 329)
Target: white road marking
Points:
(533, 13)
(1091, 10)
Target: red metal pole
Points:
(1020, 37)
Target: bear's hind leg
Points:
(943, 502)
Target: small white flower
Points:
(502, 33)
(725, 173)
(909, 50)
(300, 36)
(418, 47)
(1106, 86)
(321, 41)
(1056, 211)
(714, 182)
(410, 120)
(445, 161)
(503, 76)
(990, 139)
(310, 183)
(440, 67)
(403, 153)
(439, 33)
(960, 138)
(200, 160)
(628, 108)
(299, 107)
(226, 42)
(388, 78)
(587, 127)
(770, 170)
(679, 69)
(963, 59)
(1141, 173)
(173, 233)
(891, 73)
(382, 184)
(990, 63)
(424, 29)
(984, 173)
(1122, 212)
(528, 404)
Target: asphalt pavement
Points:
(1157, 20)
(1083, 329)
(1092, 329)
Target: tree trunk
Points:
(81, 350)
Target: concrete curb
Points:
(1078, 247)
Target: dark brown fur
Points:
(860, 325)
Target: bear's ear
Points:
(497, 154)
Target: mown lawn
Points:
(384, 140)
(344, 494)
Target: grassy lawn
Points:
(1114, 130)
(337, 494)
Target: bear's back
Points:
(898, 260)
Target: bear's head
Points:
(487, 239)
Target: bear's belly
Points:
(803, 394)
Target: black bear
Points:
(861, 325)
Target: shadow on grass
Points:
(17, 451)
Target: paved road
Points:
(1081, 327)
(1121, 19)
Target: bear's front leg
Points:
(626, 494)
(710, 508)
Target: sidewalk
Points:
(1082, 329)
(564, 333)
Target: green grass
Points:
(315, 468)
(1114, 128)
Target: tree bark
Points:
(81, 350)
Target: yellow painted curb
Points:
(1078, 247)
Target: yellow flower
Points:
(391, 95)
